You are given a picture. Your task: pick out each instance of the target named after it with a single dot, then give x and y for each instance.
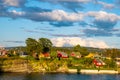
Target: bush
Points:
(30, 58)
(110, 64)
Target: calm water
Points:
(59, 76)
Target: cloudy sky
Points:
(91, 23)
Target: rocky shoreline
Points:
(32, 66)
(25, 69)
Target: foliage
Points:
(80, 63)
(77, 48)
(83, 51)
(110, 64)
(45, 42)
(34, 46)
(53, 54)
(112, 53)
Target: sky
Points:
(89, 23)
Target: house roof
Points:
(90, 55)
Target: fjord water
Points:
(58, 76)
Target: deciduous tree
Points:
(32, 45)
(46, 44)
(83, 51)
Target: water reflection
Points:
(58, 76)
(11, 76)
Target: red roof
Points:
(46, 55)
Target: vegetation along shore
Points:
(41, 56)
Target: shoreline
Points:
(24, 66)
(84, 71)
(74, 71)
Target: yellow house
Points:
(90, 55)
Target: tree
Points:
(112, 53)
(42, 45)
(83, 51)
(46, 44)
(77, 48)
(32, 45)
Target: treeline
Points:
(43, 45)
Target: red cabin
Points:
(98, 62)
(75, 54)
(61, 54)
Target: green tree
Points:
(112, 53)
(32, 45)
(83, 51)
(77, 48)
(46, 44)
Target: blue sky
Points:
(91, 23)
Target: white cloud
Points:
(105, 5)
(101, 15)
(15, 3)
(55, 15)
(72, 41)
(60, 15)
(17, 13)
